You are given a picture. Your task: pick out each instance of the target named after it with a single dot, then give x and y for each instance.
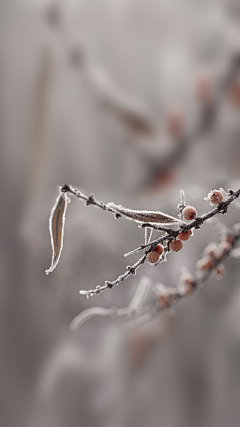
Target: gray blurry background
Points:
(55, 130)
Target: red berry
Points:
(185, 235)
(189, 212)
(216, 197)
(152, 257)
(175, 245)
(159, 249)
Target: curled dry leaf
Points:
(56, 228)
(155, 217)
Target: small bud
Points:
(185, 235)
(152, 257)
(188, 280)
(175, 245)
(222, 248)
(204, 264)
(219, 271)
(211, 249)
(189, 213)
(229, 238)
(216, 197)
(165, 296)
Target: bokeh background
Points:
(57, 126)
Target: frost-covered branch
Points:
(154, 252)
(221, 208)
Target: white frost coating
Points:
(141, 293)
(235, 253)
(155, 217)
(55, 255)
(148, 235)
(86, 315)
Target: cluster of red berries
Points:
(175, 245)
(154, 255)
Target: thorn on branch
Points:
(90, 200)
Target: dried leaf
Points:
(155, 217)
(56, 228)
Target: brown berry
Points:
(206, 263)
(216, 197)
(159, 249)
(189, 212)
(175, 245)
(185, 235)
(152, 257)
